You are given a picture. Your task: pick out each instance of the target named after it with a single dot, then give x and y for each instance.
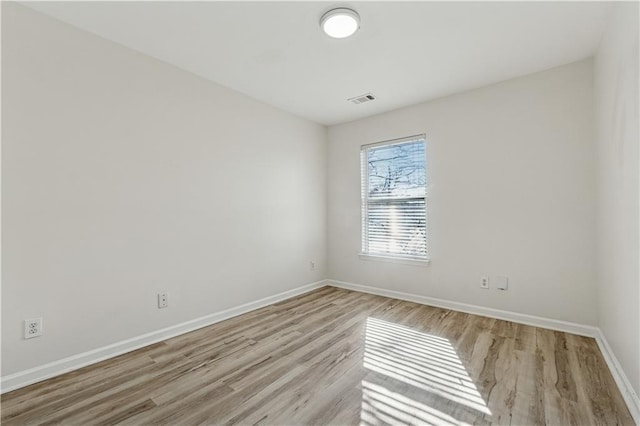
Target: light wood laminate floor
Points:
(334, 356)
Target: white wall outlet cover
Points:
(32, 328)
(502, 282)
(163, 300)
(484, 282)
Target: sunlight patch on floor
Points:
(419, 364)
(381, 404)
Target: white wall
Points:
(616, 82)
(511, 193)
(123, 176)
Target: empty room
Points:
(320, 213)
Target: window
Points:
(394, 205)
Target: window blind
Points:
(394, 208)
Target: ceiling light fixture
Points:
(340, 23)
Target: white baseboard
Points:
(629, 395)
(568, 327)
(627, 391)
(55, 368)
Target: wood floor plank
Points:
(334, 356)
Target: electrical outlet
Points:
(32, 328)
(163, 300)
(484, 282)
(312, 265)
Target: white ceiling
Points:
(404, 53)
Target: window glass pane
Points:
(397, 170)
(394, 213)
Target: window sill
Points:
(414, 262)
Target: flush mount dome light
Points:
(340, 23)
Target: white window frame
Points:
(364, 190)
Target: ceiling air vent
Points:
(367, 97)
